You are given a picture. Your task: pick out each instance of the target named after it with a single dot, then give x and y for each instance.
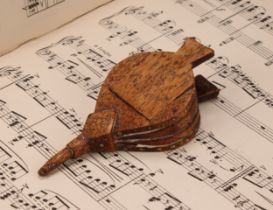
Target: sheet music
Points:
(50, 85)
(23, 20)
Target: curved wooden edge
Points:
(194, 52)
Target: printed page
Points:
(22, 20)
(50, 85)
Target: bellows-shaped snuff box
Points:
(148, 102)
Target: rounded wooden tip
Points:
(44, 171)
(55, 161)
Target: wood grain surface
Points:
(148, 102)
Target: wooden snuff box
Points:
(148, 102)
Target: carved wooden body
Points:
(149, 102)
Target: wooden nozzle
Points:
(54, 162)
(74, 149)
(96, 136)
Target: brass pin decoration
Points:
(148, 102)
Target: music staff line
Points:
(165, 28)
(159, 194)
(19, 199)
(138, 177)
(221, 155)
(237, 76)
(97, 65)
(124, 167)
(39, 140)
(257, 46)
(238, 163)
(255, 94)
(27, 86)
(35, 7)
(12, 168)
(203, 174)
(77, 170)
(93, 186)
(25, 83)
(118, 163)
(252, 10)
(230, 108)
(226, 188)
(248, 86)
(150, 19)
(255, 125)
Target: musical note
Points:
(69, 120)
(216, 161)
(94, 93)
(45, 100)
(226, 188)
(177, 36)
(167, 28)
(20, 204)
(97, 64)
(195, 169)
(33, 7)
(158, 195)
(110, 202)
(259, 178)
(126, 168)
(49, 199)
(15, 169)
(10, 192)
(252, 13)
(254, 124)
(12, 167)
(221, 155)
(128, 36)
(79, 170)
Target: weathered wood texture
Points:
(148, 102)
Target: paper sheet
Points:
(50, 85)
(22, 20)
